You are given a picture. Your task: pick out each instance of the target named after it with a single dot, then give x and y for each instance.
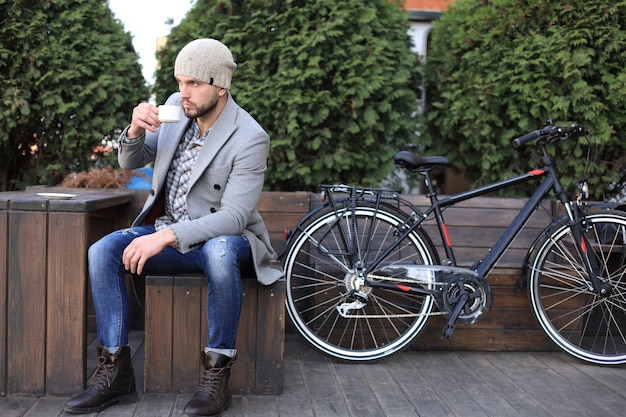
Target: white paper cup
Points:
(169, 114)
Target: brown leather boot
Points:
(112, 382)
(212, 395)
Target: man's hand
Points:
(145, 117)
(145, 247)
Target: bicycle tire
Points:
(318, 277)
(579, 321)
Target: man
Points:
(200, 216)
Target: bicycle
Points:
(363, 276)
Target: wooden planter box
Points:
(473, 227)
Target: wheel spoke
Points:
(322, 275)
(581, 322)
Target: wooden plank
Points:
(186, 366)
(90, 200)
(483, 237)
(156, 405)
(204, 327)
(138, 355)
(393, 401)
(496, 319)
(543, 385)
(101, 223)
(258, 406)
(290, 402)
(284, 202)
(66, 306)
(277, 221)
(26, 326)
(412, 375)
(360, 402)
(503, 386)
(43, 407)
(187, 310)
(16, 406)
(484, 211)
(243, 373)
(4, 250)
(158, 334)
(468, 338)
(511, 203)
(496, 217)
(282, 210)
(324, 397)
(270, 336)
(488, 403)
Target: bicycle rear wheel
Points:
(582, 323)
(320, 276)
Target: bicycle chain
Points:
(393, 279)
(388, 316)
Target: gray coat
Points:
(225, 184)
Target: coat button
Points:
(217, 187)
(152, 192)
(213, 210)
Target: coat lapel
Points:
(217, 137)
(172, 134)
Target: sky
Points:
(145, 20)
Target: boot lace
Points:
(102, 376)
(211, 381)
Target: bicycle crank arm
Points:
(448, 329)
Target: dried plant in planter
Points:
(106, 177)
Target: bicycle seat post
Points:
(430, 187)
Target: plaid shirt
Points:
(176, 183)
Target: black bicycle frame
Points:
(483, 266)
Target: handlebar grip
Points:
(517, 142)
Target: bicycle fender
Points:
(312, 214)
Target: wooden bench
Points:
(176, 323)
(176, 332)
(473, 227)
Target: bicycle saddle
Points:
(413, 162)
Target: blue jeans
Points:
(222, 259)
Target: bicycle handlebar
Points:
(550, 133)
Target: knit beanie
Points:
(206, 60)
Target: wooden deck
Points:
(411, 383)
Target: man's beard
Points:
(198, 112)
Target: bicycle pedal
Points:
(447, 331)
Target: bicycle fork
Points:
(584, 247)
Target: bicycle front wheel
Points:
(321, 274)
(584, 324)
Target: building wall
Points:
(438, 5)
(421, 15)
